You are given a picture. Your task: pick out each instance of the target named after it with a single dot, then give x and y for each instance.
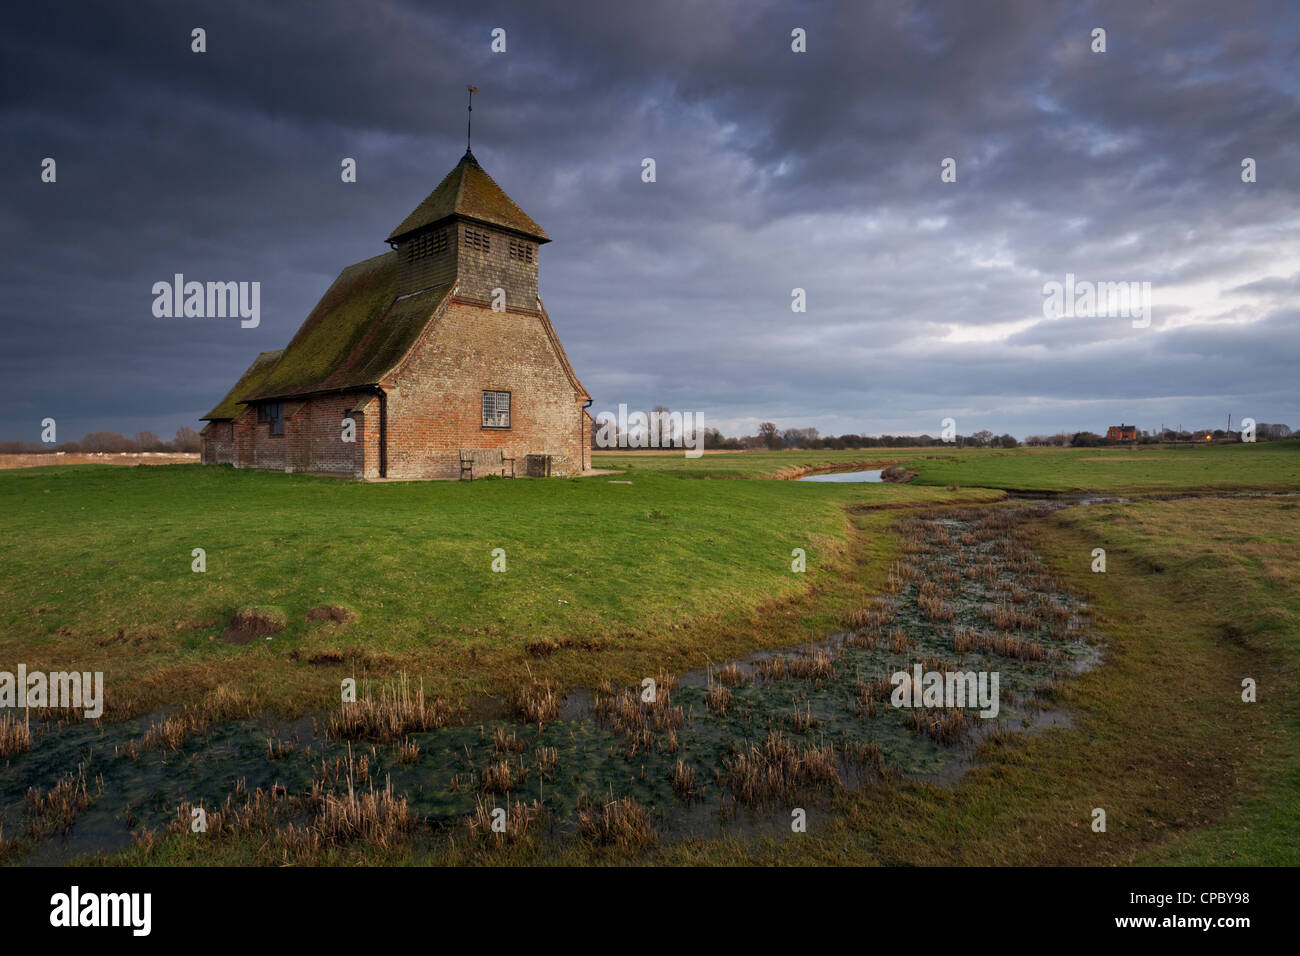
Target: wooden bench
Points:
(486, 461)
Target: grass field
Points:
(607, 582)
(640, 571)
(1147, 469)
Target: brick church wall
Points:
(435, 407)
(218, 443)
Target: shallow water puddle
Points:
(846, 476)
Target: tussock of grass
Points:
(224, 703)
(645, 725)
(620, 823)
(683, 780)
(502, 776)
(15, 735)
(521, 821)
(779, 770)
(944, 725)
(395, 712)
(55, 810)
(537, 703)
(1006, 645)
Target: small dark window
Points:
(272, 413)
(474, 239)
(496, 409)
(523, 251)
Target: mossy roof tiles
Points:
(358, 332)
(230, 407)
(469, 192)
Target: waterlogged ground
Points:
(730, 750)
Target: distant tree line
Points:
(775, 439)
(772, 438)
(1263, 432)
(186, 440)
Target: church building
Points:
(418, 359)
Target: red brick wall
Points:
(256, 447)
(435, 402)
(315, 435)
(218, 443)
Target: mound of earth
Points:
(250, 623)
(898, 474)
(330, 612)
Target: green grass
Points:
(1267, 466)
(669, 573)
(749, 464)
(1262, 466)
(105, 575)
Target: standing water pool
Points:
(845, 476)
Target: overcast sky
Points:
(775, 170)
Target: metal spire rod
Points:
(470, 119)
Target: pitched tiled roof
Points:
(357, 333)
(229, 406)
(470, 192)
(559, 351)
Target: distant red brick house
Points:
(439, 345)
(1122, 433)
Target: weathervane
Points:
(470, 119)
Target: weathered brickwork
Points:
(218, 443)
(435, 404)
(256, 447)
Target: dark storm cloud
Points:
(775, 170)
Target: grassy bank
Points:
(618, 579)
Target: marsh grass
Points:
(506, 741)
(779, 770)
(222, 704)
(521, 821)
(802, 721)
(717, 698)
(15, 735)
(944, 725)
(537, 703)
(396, 711)
(644, 725)
(621, 823)
(408, 751)
(683, 780)
(547, 760)
(56, 810)
(966, 639)
(502, 776)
